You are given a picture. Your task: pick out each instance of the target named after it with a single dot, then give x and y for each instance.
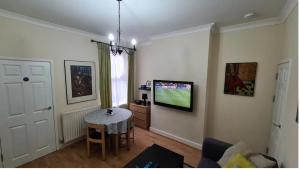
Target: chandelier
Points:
(115, 47)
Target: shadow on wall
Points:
(196, 100)
(212, 83)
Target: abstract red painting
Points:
(240, 78)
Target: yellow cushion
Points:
(239, 161)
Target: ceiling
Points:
(142, 18)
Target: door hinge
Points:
(276, 76)
(274, 97)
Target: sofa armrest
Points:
(214, 149)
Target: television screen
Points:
(175, 94)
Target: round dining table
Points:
(116, 123)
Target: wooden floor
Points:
(75, 155)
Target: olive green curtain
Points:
(130, 92)
(105, 75)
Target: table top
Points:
(160, 157)
(116, 123)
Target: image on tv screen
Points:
(178, 94)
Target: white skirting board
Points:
(177, 138)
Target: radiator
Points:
(73, 123)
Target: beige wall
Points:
(24, 40)
(186, 57)
(182, 58)
(289, 137)
(233, 118)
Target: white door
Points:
(278, 108)
(26, 115)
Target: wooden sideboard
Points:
(141, 115)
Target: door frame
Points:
(55, 115)
(289, 62)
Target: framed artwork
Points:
(80, 81)
(240, 78)
(148, 83)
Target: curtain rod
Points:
(109, 44)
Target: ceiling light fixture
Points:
(115, 47)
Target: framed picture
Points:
(148, 83)
(240, 78)
(80, 81)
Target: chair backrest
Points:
(97, 127)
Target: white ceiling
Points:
(142, 18)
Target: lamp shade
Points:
(144, 96)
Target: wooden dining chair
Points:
(96, 134)
(130, 128)
(129, 135)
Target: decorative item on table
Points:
(110, 112)
(145, 97)
(80, 81)
(240, 78)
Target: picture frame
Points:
(80, 77)
(240, 78)
(148, 83)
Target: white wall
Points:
(182, 58)
(24, 40)
(289, 137)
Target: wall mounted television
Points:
(174, 94)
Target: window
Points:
(119, 78)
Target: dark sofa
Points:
(213, 150)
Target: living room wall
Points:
(231, 117)
(234, 118)
(22, 39)
(182, 58)
(289, 138)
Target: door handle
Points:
(47, 108)
(277, 125)
(25, 79)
